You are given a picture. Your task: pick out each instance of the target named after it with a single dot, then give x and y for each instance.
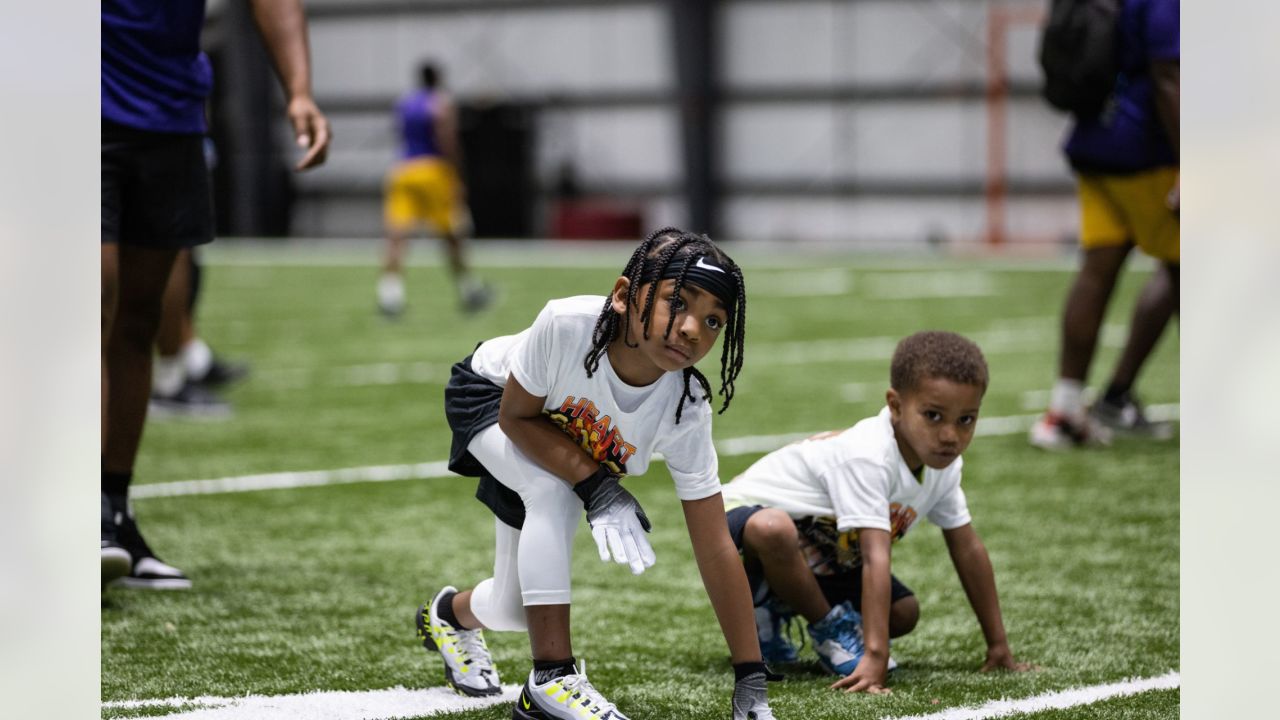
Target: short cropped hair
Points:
(429, 74)
(937, 355)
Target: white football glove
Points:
(617, 521)
(751, 698)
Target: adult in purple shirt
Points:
(155, 202)
(1126, 162)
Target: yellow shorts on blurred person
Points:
(1119, 208)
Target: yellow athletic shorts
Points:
(1115, 209)
(424, 190)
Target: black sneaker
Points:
(221, 373)
(116, 561)
(477, 298)
(1126, 416)
(148, 571)
(191, 401)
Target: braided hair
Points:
(672, 248)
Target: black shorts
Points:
(470, 405)
(155, 189)
(836, 588)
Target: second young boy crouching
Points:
(815, 520)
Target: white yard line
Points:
(746, 445)
(397, 702)
(1054, 700)
(401, 702)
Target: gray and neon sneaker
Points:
(468, 667)
(568, 697)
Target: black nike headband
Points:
(703, 271)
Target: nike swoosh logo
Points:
(524, 700)
(703, 264)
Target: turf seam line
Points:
(1056, 700)
(746, 445)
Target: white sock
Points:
(1067, 398)
(391, 290)
(197, 357)
(168, 375)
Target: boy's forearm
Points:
(876, 594)
(722, 576)
(977, 576)
(283, 25)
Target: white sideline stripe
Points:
(287, 480)
(400, 702)
(746, 445)
(1054, 700)
(396, 702)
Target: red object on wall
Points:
(595, 220)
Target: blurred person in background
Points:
(426, 187)
(187, 373)
(155, 203)
(1126, 161)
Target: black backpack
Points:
(1080, 56)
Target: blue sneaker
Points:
(837, 639)
(774, 645)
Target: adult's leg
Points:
(142, 276)
(770, 538)
(391, 292)
(110, 299)
(175, 318)
(1157, 304)
(1086, 307)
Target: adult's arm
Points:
(283, 24)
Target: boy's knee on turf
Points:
(771, 533)
(904, 613)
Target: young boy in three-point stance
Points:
(815, 520)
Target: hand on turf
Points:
(751, 698)
(311, 130)
(868, 677)
(999, 657)
(618, 523)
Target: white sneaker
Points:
(391, 296)
(569, 697)
(152, 573)
(1054, 431)
(468, 666)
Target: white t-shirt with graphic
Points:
(618, 424)
(855, 477)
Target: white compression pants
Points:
(531, 565)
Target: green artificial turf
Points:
(315, 588)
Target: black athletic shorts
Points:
(836, 588)
(470, 405)
(155, 188)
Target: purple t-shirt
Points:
(1128, 136)
(154, 76)
(415, 112)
